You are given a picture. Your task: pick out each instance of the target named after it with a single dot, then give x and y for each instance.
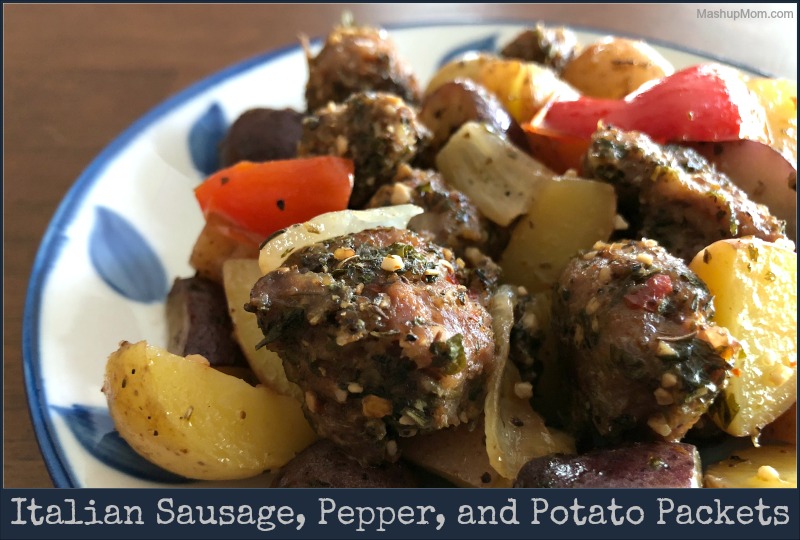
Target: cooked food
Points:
(633, 328)
(189, 418)
(672, 195)
(744, 275)
(646, 465)
(769, 466)
(262, 134)
(614, 67)
(325, 465)
(379, 331)
(485, 319)
(198, 322)
(457, 102)
(357, 59)
(450, 219)
(378, 131)
(551, 47)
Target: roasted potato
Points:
(754, 284)
(457, 102)
(614, 67)
(549, 235)
(198, 322)
(262, 135)
(213, 247)
(195, 421)
(770, 466)
(522, 87)
(784, 429)
(650, 465)
(325, 465)
(457, 454)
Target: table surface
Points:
(78, 75)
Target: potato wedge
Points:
(195, 421)
(239, 276)
(769, 466)
(754, 284)
(522, 87)
(457, 454)
(566, 215)
(614, 67)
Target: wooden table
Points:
(77, 75)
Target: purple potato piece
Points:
(262, 135)
(324, 465)
(650, 465)
(198, 322)
(460, 101)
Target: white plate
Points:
(125, 231)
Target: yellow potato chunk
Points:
(195, 421)
(763, 467)
(239, 276)
(566, 216)
(457, 454)
(614, 67)
(754, 284)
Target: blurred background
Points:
(75, 76)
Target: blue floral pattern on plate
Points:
(205, 136)
(124, 259)
(94, 429)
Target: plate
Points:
(126, 229)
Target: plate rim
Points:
(54, 456)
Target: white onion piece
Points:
(497, 176)
(330, 225)
(510, 444)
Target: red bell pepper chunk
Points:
(261, 198)
(701, 103)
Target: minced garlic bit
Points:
(523, 390)
(599, 245)
(341, 253)
(619, 223)
(659, 424)
(392, 263)
(645, 258)
(530, 322)
(341, 395)
(589, 255)
(604, 275)
(768, 474)
(592, 306)
(391, 448)
(432, 272)
(311, 401)
(663, 397)
(779, 374)
(355, 388)
(373, 406)
(341, 145)
(401, 194)
(668, 380)
(665, 350)
(406, 420)
(578, 334)
(446, 264)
